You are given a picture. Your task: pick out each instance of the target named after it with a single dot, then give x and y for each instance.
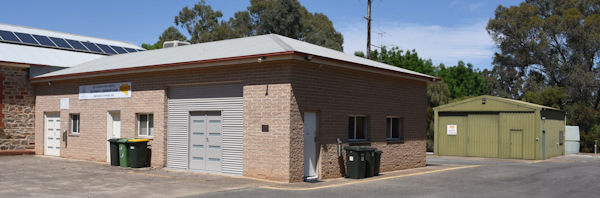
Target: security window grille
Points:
(74, 123)
(395, 129)
(357, 128)
(145, 125)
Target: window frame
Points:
(365, 128)
(149, 124)
(389, 128)
(78, 123)
(561, 137)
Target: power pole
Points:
(368, 17)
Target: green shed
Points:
(488, 126)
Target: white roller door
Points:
(227, 99)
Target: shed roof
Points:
(45, 56)
(492, 104)
(263, 45)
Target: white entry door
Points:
(310, 145)
(206, 131)
(113, 130)
(52, 134)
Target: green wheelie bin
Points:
(370, 161)
(377, 162)
(114, 151)
(123, 153)
(355, 162)
(138, 149)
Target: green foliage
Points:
(551, 97)
(151, 47)
(284, 17)
(463, 80)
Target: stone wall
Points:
(17, 125)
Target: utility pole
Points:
(368, 17)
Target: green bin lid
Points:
(359, 149)
(113, 140)
(378, 151)
(123, 140)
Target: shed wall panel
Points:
(517, 122)
(453, 145)
(225, 98)
(483, 135)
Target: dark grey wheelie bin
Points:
(370, 161)
(355, 162)
(114, 151)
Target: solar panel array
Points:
(61, 43)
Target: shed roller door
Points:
(228, 99)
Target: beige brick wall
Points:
(17, 115)
(265, 154)
(335, 93)
(275, 94)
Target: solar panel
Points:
(9, 36)
(129, 49)
(119, 50)
(61, 42)
(92, 47)
(26, 38)
(44, 40)
(140, 50)
(106, 48)
(76, 44)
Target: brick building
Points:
(266, 106)
(26, 52)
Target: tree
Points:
(463, 80)
(200, 22)
(170, 34)
(552, 46)
(284, 17)
(558, 39)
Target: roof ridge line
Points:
(281, 43)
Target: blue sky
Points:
(444, 30)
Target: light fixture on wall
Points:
(49, 82)
(483, 100)
(261, 59)
(308, 57)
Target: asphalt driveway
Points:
(566, 176)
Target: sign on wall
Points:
(103, 91)
(451, 130)
(64, 103)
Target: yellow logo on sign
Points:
(125, 88)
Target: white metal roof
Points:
(32, 55)
(218, 50)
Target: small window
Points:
(395, 129)
(74, 123)
(145, 125)
(561, 137)
(357, 128)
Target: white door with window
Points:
(113, 130)
(310, 145)
(52, 134)
(206, 140)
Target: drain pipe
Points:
(595, 147)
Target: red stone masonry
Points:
(17, 118)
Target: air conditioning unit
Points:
(168, 44)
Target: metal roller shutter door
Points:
(225, 98)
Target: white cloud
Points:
(443, 44)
